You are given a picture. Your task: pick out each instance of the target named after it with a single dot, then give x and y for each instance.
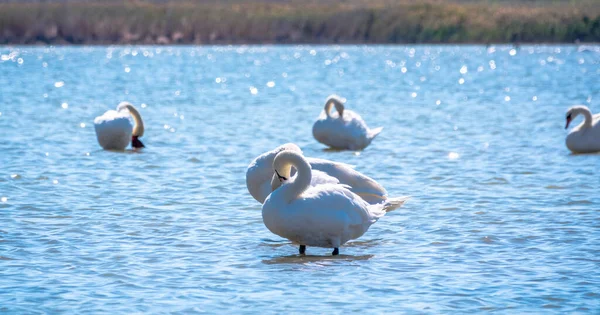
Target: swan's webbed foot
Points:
(336, 251)
(302, 249)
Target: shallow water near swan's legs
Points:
(302, 249)
(336, 251)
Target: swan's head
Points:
(260, 171)
(570, 116)
(282, 168)
(279, 179)
(138, 128)
(574, 112)
(336, 101)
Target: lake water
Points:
(502, 217)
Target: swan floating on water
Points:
(261, 180)
(585, 138)
(344, 130)
(114, 129)
(327, 215)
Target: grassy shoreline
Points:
(297, 22)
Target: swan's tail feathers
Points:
(392, 204)
(374, 132)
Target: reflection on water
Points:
(502, 217)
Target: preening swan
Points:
(345, 129)
(259, 176)
(114, 129)
(326, 215)
(585, 138)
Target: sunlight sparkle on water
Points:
(461, 81)
(253, 90)
(59, 84)
(270, 84)
(534, 98)
(463, 70)
(4, 199)
(82, 125)
(512, 52)
(507, 98)
(64, 105)
(127, 69)
(453, 155)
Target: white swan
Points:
(114, 129)
(585, 138)
(259, 176)
(325, 215)
(345, 129)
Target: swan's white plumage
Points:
(584, 138)
(113, 130)
(325, 215)
(260, 175)
(343, 129)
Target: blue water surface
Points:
(503, 218)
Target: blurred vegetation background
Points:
(297, 21)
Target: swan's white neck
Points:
(334, 100)
(138, 128)
(296, 186)
(586, 113)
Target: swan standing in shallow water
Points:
(585, 138)
(345, 129)
(260, 174)
(326, 215)
(114, 129)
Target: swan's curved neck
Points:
(138, 128)
(284, 161)
(588, 116)
(334, 101)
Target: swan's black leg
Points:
(336, 251)
(302, 249)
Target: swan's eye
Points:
(280, 177)
(569, 116)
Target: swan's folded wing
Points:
(363, 185)
(321, 178)
(336, 199)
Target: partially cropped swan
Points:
(585, 138)
(260, 174)
(342, 130)
(114, 129)
(326, 215)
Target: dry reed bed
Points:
(296, 22)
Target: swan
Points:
(260, 176)
(114, 129)
(345, 129)
(326, 215)
(585, 138)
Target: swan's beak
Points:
(281, 178)
(136, 143)
(568, 122)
